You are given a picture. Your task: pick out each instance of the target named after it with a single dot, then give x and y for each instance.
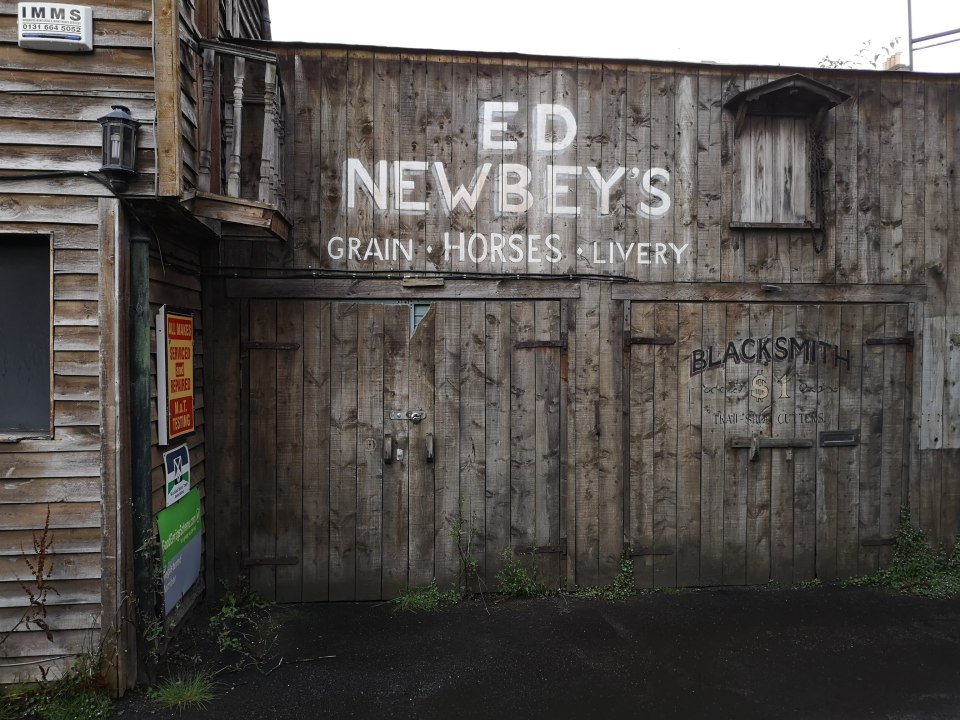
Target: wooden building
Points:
(696, 316)
(65, 432)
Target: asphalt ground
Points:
(816, 653)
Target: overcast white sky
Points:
(756, 32)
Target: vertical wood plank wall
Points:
(646, 463)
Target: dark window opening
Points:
(25, 335)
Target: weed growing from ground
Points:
(916, 567)
(184, 690)
(427, 599)
(38, 587)
(469, 566)
(80, 694)
(245, 623)
(515, 580)
(620, 589)
(431, 597)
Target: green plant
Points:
(809, 584)
(426, 599)
(8, 710)
(620, 589)
(245, 622)
(184, 690)
(76, 706)
(867, 55)
(79, 694)
(622, 586)
(469, 566)
(917, 567)
(38, 588)
(515, 580)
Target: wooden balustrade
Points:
(235, 160)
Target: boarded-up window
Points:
(24, 335)
(778, 127)
(774, 171)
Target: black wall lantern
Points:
(119, 146)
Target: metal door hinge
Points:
(639, 340)
(905, 340)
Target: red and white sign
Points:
(174, 374)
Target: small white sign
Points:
(53, 26)
(176, 465)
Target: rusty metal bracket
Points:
(635, 551)
(877, 541)
(640, 340)
(532, 344)
(756, 443)
(905, 340)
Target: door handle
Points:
(429, 444)
(388, 448)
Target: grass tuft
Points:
(183, 691)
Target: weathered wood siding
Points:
(49, 105)
(332, 509)
(380, 143)
(244, 19)
(381, 107)
(175, 281)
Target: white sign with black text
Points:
(54, 26)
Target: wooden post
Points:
(233, 166)
(280, 197)
(268, 151)
(206, 119)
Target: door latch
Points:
(414, 416)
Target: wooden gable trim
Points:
(794, 95)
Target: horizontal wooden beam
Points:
(763, 293)
(393, 289)
(240, 212)
(735, 225)
(270, 346)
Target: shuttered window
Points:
(779, 164)
(774, 171)
(25, 329)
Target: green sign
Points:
(180, 526)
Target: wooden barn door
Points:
(386, 443)
(765, 441)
